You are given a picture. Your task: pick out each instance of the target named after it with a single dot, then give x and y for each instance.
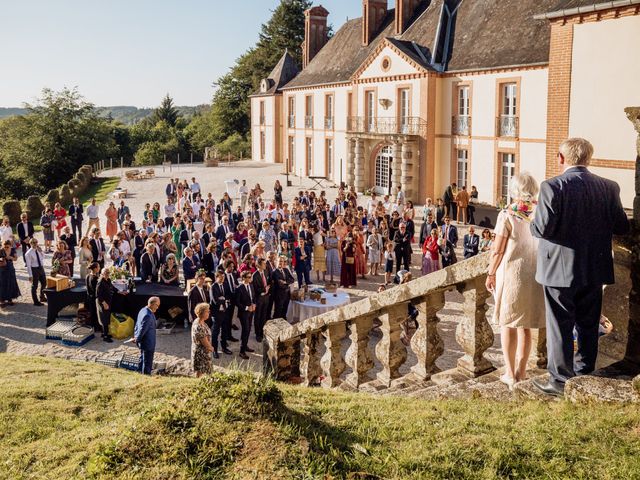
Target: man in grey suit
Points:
(577, 215)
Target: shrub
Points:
(34, 207)
(12, 209)
(65, 196)
(76, 186)
(52, 197)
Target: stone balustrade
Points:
(293, 350)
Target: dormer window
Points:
(265, 85)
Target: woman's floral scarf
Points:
(522, 209)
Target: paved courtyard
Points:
(22, 326)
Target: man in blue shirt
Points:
(144, 334)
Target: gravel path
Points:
(22, 327)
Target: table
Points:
(299, 311)
(56, 301)
(317, 182)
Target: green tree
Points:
(44, 148)
(166, 111)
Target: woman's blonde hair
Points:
(200, 309)
(524, 187)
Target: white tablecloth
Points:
(299, 311)
(198, 227)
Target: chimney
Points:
(315, 33)
(405, 9)
(373, 14)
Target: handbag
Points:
(350, 260)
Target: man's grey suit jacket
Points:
(577, 215)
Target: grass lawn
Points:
(75, 420)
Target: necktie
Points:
(264, 280)
(38, 259)
(249, 292)
(230, 280)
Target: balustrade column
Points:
(332, 362)
(390, 350)
(351, 163)
(474, 334)
(310, 365)
(359, 165)
(280, 360)
(396, 168)
(426, 342)
(407, 167)
(358, 356)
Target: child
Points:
(389, 261)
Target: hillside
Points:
(125, 114)
(75, 420)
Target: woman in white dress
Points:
(85, 257)
(519, 300)
(374, 242)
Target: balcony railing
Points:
(461, 124)
(508, 126)
(308, 121)
(328, 123)
(262, 119)
(335, 347)
(292, 121)
(387, 125)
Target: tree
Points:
(166, 111)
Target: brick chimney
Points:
(315, 33)
(405, 9)
(373, 14)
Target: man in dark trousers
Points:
(450, 232)
(34, 261)
(104, 301)
(425, 230)
(470, 243)
(75, 212)
(246, 303)
(230, 285)
(98, 248)
(144, 334)
(199, 293)
(219, 304)
(402, 248)
(149, 265)
(262, 288)
(575, 259)
(282, 278)
(25, 234)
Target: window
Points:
(462, 120)
(403, 102)
(262, 145)
(508, 120)
(308, 154)
(292, 112)
(462, 167)
(329, 157)
(291, 153)
(508, 170)
(328, 112)
(350, 119)
(262, 113)
(308, 112)
(369, 110)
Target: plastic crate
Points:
(78, 336)
(113, 362)
(130, 362)
(55, 331)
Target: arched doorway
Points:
(382, 179)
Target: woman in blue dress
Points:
(332, 255)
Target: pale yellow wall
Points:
(605, 79)
(625, 179)
(399, 66)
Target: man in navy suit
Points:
(450, 232)
(75, 212)
(578, 213)
(470, 243)
(144, 334)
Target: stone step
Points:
(526, 390)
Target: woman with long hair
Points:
(112, 220)
(9, 289)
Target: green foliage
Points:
(34, 207)
(161, 139)
(53, 197)
(166, 112)
(234, 145)
(44, 148)
(65, 195)
(12, 209)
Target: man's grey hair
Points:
(153, 301)
(576, 151)
(524, 187)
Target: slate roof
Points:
(487, 34)
(284, 71)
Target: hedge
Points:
(65, 196)
(12, 209)
(34, 207)
(52, 197)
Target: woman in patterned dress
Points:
(332, 255)
(319, 260)
(112, 220)
(201, 348)
(63, 256)
(431, 253)
(361, 261)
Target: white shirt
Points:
(387, 206)
(243, 190)
(264, 214)
(92, 211)
(31, 260)
(169, 210)
(125, 247)
(195, 187)
(371, 206)
(6, 233)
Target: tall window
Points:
(403, 102)
(292, 111)
(461, 125)
(508, 121)
(308, 149)
(308, 111)
(463, 167)
(328, 112)
(291, 152)
(508, 170)
(329, 157)
(369, 110)
(262, 145)
(262, 113)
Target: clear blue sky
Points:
(130, 52)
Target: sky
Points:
(131, 52)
